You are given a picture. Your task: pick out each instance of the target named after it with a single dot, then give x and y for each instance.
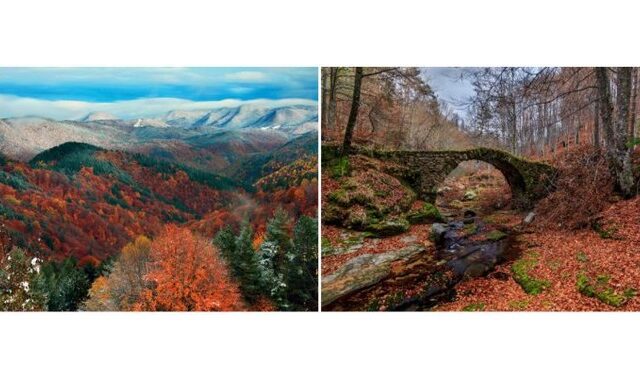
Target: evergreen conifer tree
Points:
(225, 240)
(248, 266)
(277, 232)
(302, 266)
(63, 283)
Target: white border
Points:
(318, 345)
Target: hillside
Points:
(83, 201)
(77, 207)
(261, 164)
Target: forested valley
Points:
(94, 229)
(520, 194)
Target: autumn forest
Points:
(489, 188)
(203, 208)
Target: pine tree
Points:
(272, 281)
(249, 272)
(277, 232)
(63, 283)
(225, 240)
(302, 266)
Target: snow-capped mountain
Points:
(183, 119)
(156, 123)
(286, 119)
(99, 116)
(296, 119)
(23, 138)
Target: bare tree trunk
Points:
(353, 114)
(622, 151)
(596, 125)
(513, 121)
(331, 112)
(616, 131)
(326, 89)
(605, 108)
(634, 99)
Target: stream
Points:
(462, 258)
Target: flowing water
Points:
(463, 258)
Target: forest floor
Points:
(585, 270)
(592, 269)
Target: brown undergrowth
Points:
(583, 188)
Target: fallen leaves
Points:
(562, 256)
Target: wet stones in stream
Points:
(463, 258)
(469, 216)
(457, 257)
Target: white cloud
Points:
(247, 76)
(14, 106)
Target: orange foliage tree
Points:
(187, 274)
(100, 296)
(123, 287)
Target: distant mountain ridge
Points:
(260, 126)
(286, 118)
(96, 116)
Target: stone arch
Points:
(425, 170)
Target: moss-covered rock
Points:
(519, 304)
(456, 204)
(469, 195)
(476, 306)
(389, 227)
(367, 199)
(470, 229)
(496, 235)
(333, 214)
(601, 290)
(427, 214)
(521, 274)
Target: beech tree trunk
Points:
(616, 128)
(634, 101)
(596, 125)
(333, 80)
(353, 114)
(622, 135)
(326, 88)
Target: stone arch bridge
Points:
(424, 171)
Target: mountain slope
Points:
(23, 138)
(259, 165)
(80, 200)
(249, 129)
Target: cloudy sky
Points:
(70, 93)
(450, 86)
